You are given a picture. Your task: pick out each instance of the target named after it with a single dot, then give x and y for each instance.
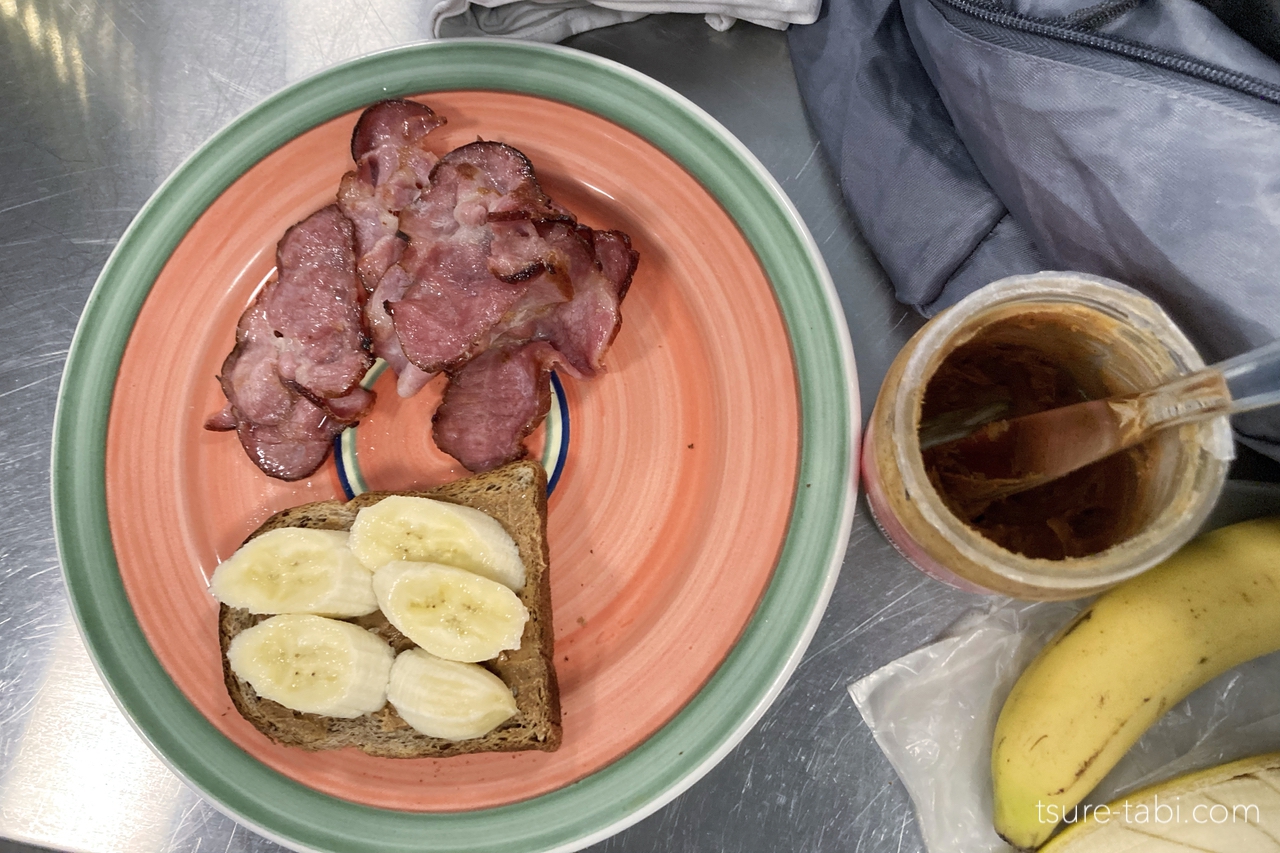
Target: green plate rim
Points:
(751, 676)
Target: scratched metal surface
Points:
(99, 102)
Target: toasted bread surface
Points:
(515, 495)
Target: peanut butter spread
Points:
(1080, 514)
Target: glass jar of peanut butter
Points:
(1017, 346)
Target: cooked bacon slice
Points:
(497, 398)
(493, 402)
(575, 304)
(453, 301)
(473, 242)
(292, 380)
(382, 332)
(394, 123)
(393, 167)
(490, 182)
(294, 447)
(313, 307)
(302, 334)
(583, 328)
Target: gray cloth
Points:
(969, 150)
(553, 20)
(544, 22)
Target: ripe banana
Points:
(422, 530)
(1233, 808)
(295, 570)
(314, 665)
(1140, 648)
(451, 612)
(448, 699)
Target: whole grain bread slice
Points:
(515, 495)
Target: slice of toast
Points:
(515, 495)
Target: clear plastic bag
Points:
(933, 712)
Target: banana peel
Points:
(1139, 649)
(1232, 808)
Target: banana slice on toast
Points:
(452, 613)
(314, 664)
(423, 530)
(296, 570)
(448, 699)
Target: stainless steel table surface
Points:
(99, 101)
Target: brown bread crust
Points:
(515, 495)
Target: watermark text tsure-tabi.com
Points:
(1156, 812)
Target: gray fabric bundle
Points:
(554, 20)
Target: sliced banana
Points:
(296, 570)
(400, 527)
(451, 612)
(314, 665)
(448, 699)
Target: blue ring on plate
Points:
(555, 452)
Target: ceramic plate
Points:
(703, 486)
